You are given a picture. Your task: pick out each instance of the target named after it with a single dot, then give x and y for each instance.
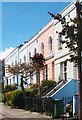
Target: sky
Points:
(22, 20)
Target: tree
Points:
(24, 70)
(38, 63)
(73, 41)
(27, 70)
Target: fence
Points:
(54, 108)
(38, 104)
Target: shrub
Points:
(34, 89)
(8, 97)
(9, 88)
(46, 85)
(28, 92)
(17, 100)
(34, 86)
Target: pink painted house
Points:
(46, 47)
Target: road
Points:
(8, 113)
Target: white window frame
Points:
(63, 70)
(50, 44)
(42, 47)
(59, 41)
(24, 59)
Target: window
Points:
(59, 41)
(50, 44)
(68, 14)
(12, 64)
(42, 48)
(35, 51)
(15, 62)
(13, 80)
(53, 70)
(29, 56)
(63, 70)
(24, 59)
(7, 81)
(10, 81)
(20, 61)
(46, 73)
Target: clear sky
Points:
(22, 20)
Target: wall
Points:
(24, 51)
(8, 61)
(43, 36)
(64, 54)
(68, 90)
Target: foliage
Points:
(72, 31)
(23, 69)
(26, 70)
(38, 64)
(28, 92)
(38, 61)
(8, 97)
(9, 88)
(46, 85)
(34, 88)
(17, 100)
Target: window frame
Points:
(42, 47)
(50, 44)
(59, 41)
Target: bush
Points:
(9, 88)
(40, 90)
(28, 92)
(17, 100)
(34, 89)
(46, 85)
(8, 97)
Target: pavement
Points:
(7, 112)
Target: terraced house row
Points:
(48, 42)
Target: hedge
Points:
(16, 98)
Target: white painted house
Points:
(64, 70)
(27, 51)
(11, 60)
(21, 54)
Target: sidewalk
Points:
(20, 113)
